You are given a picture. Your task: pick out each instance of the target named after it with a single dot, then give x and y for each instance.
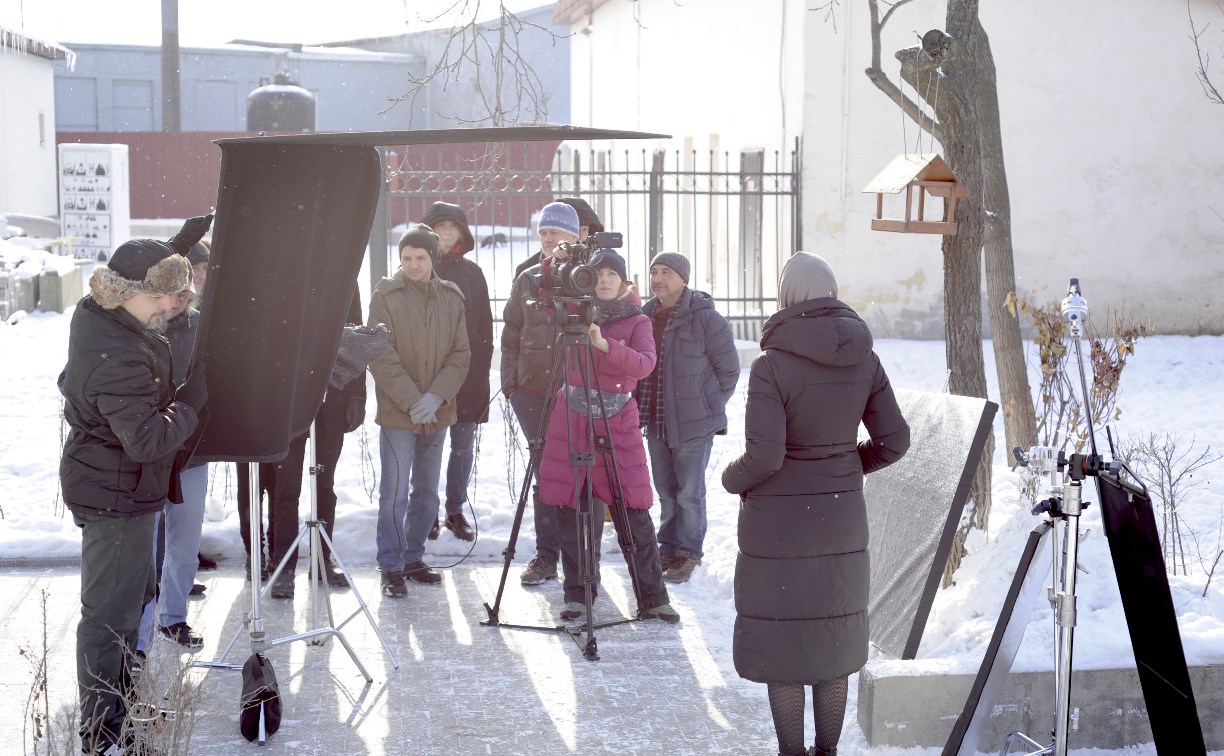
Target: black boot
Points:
(283, 587)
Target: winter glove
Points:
(354, 413)
(195, 390)
(426, 409)
(193, 230)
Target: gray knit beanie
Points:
(675, 261)
(421, 237)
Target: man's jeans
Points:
(528, 409)
(116, 581)
(178, 552)
(459, 466)
(407, 494)
(679, 478)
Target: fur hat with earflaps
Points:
(148, 266)
(140, 266)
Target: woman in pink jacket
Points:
(624, 352)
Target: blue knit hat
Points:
(608, 258)
(559, 216)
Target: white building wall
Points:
(1112, 151)
(1112, 155)
(27, 134)
(712, 70)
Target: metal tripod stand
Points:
(253, 622)
(1066, 504)
(573, 347)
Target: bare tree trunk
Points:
(1019, 418)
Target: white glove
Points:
(425, 411)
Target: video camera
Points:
(573, 277)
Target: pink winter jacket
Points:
(631, 357)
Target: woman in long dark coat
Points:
(802, 572)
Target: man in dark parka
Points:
(801, 577)
(127, 424)
(455, 240)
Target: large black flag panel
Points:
(913, 508)
(291, 231)
(1134, 545)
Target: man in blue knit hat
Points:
(528, 335)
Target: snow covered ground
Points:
(1170, 385)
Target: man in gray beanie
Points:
(682, 406)
(126, 426)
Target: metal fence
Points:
(736, 216)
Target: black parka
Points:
(528, 334)
(125, 428)
(801, 577)
(473, 398)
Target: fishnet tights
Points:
(828, 709)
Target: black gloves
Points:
(354, 413)
(193, 230)
(195, 390)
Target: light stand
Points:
(321, 632)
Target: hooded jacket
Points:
(801, 580)
(427, 349)
(528, 333)
(699, 368)
(472, 401)
(125, 428)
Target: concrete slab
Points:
(920, 707)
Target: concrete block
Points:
(25, 291)
(58, 291)
(919, 707)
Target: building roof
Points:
(570, 11)
(15, 40)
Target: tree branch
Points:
(911, 108)
(1204, 60)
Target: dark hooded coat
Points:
(472, 401)
(125, 428)
(801, 577)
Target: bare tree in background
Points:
(953, 72)
(1204, 59)
(480, 66)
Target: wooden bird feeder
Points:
(918, 175)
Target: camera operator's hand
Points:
(195, 390)
(426, 409)
(354, 413)
(193, 230)
(597, 338)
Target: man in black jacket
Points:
(472, 403)
(127, 424)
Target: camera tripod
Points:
(572, 347)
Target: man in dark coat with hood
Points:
(454, 242)
(127, 424)
(801, 577)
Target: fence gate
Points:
(735, 216)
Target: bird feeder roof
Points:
(905, 169)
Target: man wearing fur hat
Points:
(127, 423)
(683, 406)
(472, 403)
(416, 381)
(528, 335)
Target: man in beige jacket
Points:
(415, 382)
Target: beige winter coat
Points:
(428, 349)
